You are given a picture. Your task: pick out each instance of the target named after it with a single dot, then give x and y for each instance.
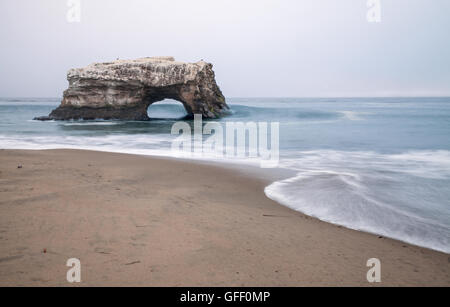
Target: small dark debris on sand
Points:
(271, 215)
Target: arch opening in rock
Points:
(124, 89)
(167, 109)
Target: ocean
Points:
(380, 165)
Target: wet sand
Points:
(144, 221)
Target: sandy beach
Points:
(144, 221)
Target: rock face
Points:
(124, 89)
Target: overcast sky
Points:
(288, 48)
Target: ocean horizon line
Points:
(254, 97)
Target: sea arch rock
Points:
(124, 89)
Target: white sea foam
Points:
(352, 115)
(372, 192)
(140, 144)
(92, 124)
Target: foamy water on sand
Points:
(380, 165)
(403, 196)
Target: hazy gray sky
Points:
(258, 47)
